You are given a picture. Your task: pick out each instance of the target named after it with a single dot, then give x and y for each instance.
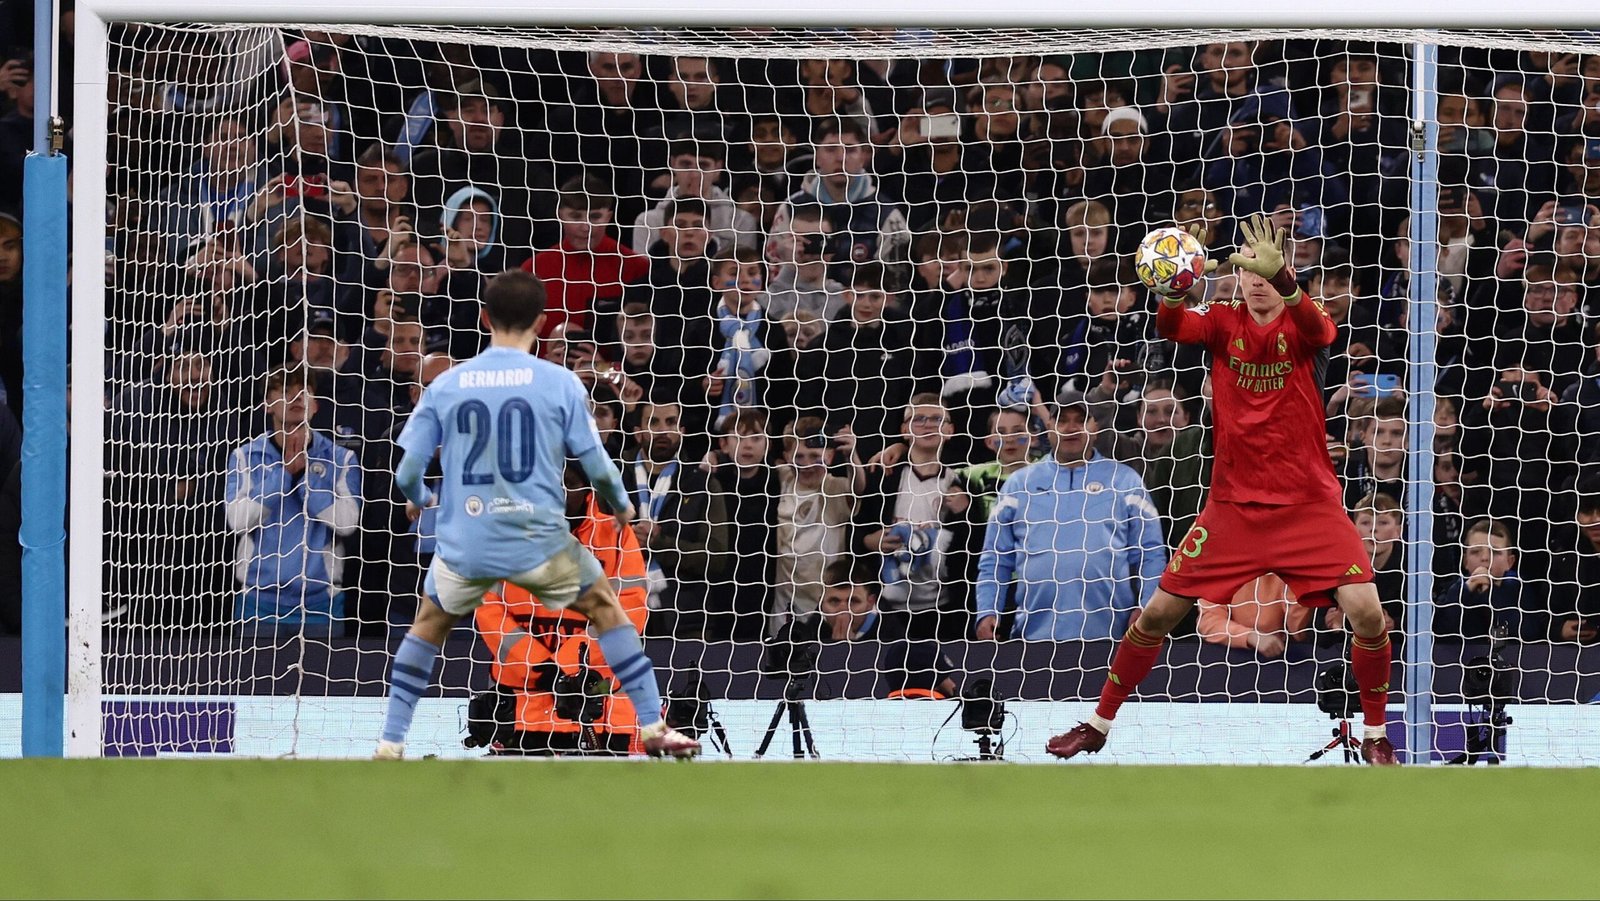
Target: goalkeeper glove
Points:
(1266, 244)
(1198, 231)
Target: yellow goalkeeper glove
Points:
(1266, 246)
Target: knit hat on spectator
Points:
(1124, 114)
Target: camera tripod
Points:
(1486, 739)
(690, 712)
(715, 734)
(1343, 740)
(988, 748)
(799, 723)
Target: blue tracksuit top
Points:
(287, 525)
(1071, 540)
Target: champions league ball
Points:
(1170, 261)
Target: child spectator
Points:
(1106, 347)
(751, 488)
(741, 337)
(868, 372)
(1380, 522)
(1378, 465)
(584, 273)
(1487, 596)
(813, 522)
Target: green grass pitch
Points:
(231, 829)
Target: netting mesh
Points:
(824, 287)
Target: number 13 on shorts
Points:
(1191, 546)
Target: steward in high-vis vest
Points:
(554, 693)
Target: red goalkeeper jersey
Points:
(1270, 431)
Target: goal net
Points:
(826, 288)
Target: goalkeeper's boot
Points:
(1378, 752)
(1080, 739)
(661, 740)
(390, 750)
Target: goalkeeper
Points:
(1275, 504)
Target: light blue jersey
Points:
(507, 422)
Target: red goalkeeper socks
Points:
(1369, 661)
(1135, 658)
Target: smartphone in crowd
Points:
(306, 186)
(942, 126)
(1381, 384)
(1571, 214)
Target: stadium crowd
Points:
(825, 309)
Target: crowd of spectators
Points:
(827, 311)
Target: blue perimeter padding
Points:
(44, 455)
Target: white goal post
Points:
(1027, 25)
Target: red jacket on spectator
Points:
(574, 278)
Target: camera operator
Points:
(849, 612)
(556, 694)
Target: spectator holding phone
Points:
(1520, 167)
(865, 226)
(222, 192)
(802, 283)
(937, 169)
(16, 128)
(1518, 444)
(1361, 346)
(1548, 336)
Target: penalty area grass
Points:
(422, 829)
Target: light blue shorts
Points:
(557, 582)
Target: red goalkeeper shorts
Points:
(1313, 548)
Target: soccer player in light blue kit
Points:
(507, 422)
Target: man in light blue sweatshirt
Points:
(1074, 539)
(292, 493)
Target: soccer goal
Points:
(827, 272)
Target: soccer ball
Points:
(1170, 261)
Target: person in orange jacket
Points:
(547, 662)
